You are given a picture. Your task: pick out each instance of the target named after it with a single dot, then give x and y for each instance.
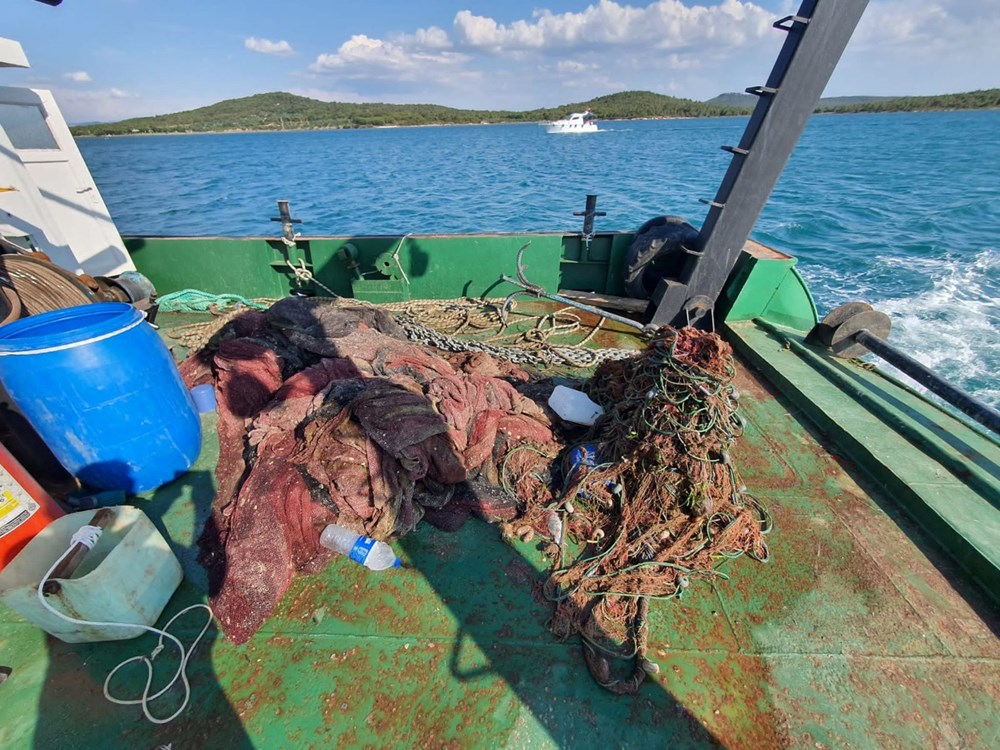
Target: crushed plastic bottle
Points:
(362, 549)
(585, 457)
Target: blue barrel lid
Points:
(68, 327)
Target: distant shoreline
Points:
(270, 112)
(234, 131)
(538, 123)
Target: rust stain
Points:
(936, 699)
(934, 588)
(411, 711)
(280, 642)
(398, 605)
(742, 712)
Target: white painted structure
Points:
(47, 196)
(578, 122)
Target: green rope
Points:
(195, 300)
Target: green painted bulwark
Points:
(213, 264)
(765, 284)
(389, 268)
(594, 266)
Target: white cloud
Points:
(480, 31)
(667, 24)
(79, 76)
(926, 25)
(118, 94)
(362, 51)
(599, 49)
(429, 38)
(611, 46)
(689, 48)
(921, 47)
(267, 47)
(407, 58)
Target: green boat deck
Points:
(860, 632)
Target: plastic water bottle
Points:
(362, 549)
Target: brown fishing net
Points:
(328, 414)
(651, 503)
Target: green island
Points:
(283, 111)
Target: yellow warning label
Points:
(16, 505)
(8, 503)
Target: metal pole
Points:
(966, 403)
(817, 36)
(539, 292)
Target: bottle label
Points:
(16, 505)
(359, 553)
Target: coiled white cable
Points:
(88, 536)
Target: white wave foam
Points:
(953, 327)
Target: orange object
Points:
(25, 508)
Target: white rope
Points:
(85, 535)
(305, 276)
(88, 536)
(395, 256)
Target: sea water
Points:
(899, 210)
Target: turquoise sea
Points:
(900, 210)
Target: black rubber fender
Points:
(656, 252)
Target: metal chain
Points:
(548, 355)
(197, 335)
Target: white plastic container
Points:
(129, 576)
(574, 406)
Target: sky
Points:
(111, 59)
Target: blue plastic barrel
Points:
(101, 389)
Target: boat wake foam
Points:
(954, 326)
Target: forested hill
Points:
(984, 99)
(283, 111)
(747, 101)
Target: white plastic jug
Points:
(129, 576)
(574, 406)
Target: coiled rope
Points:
(41, 286)
(195, 300)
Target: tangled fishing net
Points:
(647, 504)
(655, 503)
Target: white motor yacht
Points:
(578, 122)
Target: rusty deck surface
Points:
(860, 632)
